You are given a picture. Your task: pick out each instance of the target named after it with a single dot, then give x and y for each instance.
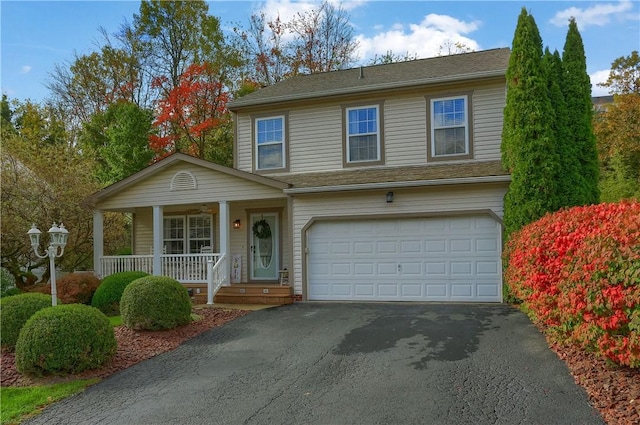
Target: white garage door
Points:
(427, 259)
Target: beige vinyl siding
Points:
(405, 131)
(243, 149)
(143, 231)
(414, 202)
(488, 107)
(211, 187)
(315, 139)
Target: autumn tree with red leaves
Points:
(193, 118)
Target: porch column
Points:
(225, 238)
(157, 240)
(98, 242)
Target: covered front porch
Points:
(204, 225)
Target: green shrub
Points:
(154, 303)
(7, 281)
(11, 292)
(14, 313)
(77, 288)
(65, 339)
(107, 296)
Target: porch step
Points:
(255, 294)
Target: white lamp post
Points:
(58, 240)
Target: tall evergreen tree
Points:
(576, 87)
(568, 170)
(528, 150)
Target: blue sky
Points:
(38, 35)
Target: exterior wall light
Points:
(57, 241)
(237, 224)
(389, 197)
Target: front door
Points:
(264, 246)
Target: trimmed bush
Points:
(77, 288)
(65, 339)
(7, 282)
(154, 303)
(107, 296)
(577, 273)
(14, 313)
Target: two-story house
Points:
(377, 183)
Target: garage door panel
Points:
(461, 268)
(438, 259)
(436, 246)
(461, 290)
(341, 269)
(411, 247)
(460, 245)
(435, 268)
(487, 268)
(387, 269)
(486, 245)
(364, 269)
(388, 290)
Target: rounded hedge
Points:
(107, 296)
(14, 313)
(68, 338)
(154, 303)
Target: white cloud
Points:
(424, 39)
(25, 69)
(599, 77)
(597, 15)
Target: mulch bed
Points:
(133, 347)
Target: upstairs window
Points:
(270, 143)
(363, 138)
(450, 132)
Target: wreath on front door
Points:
(261, 229)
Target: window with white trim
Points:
(363, 134)
(449, 127)
(192, 232)
(270, 143)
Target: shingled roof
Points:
(466, 66)
(418, 174)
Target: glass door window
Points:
(264, 250)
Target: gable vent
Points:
(183, 180)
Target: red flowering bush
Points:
(577, 273)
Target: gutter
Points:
(401, 184)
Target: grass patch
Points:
(19, 403)
(115, 320)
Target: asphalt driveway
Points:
(343, 363)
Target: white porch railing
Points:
(216, 278)
(185, 268)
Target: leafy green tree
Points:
(617, 130)
(45, 179)
(528, 142)
(624, 77)
(91, 82)
(177, 34)
(118, 140)
(576, 87)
